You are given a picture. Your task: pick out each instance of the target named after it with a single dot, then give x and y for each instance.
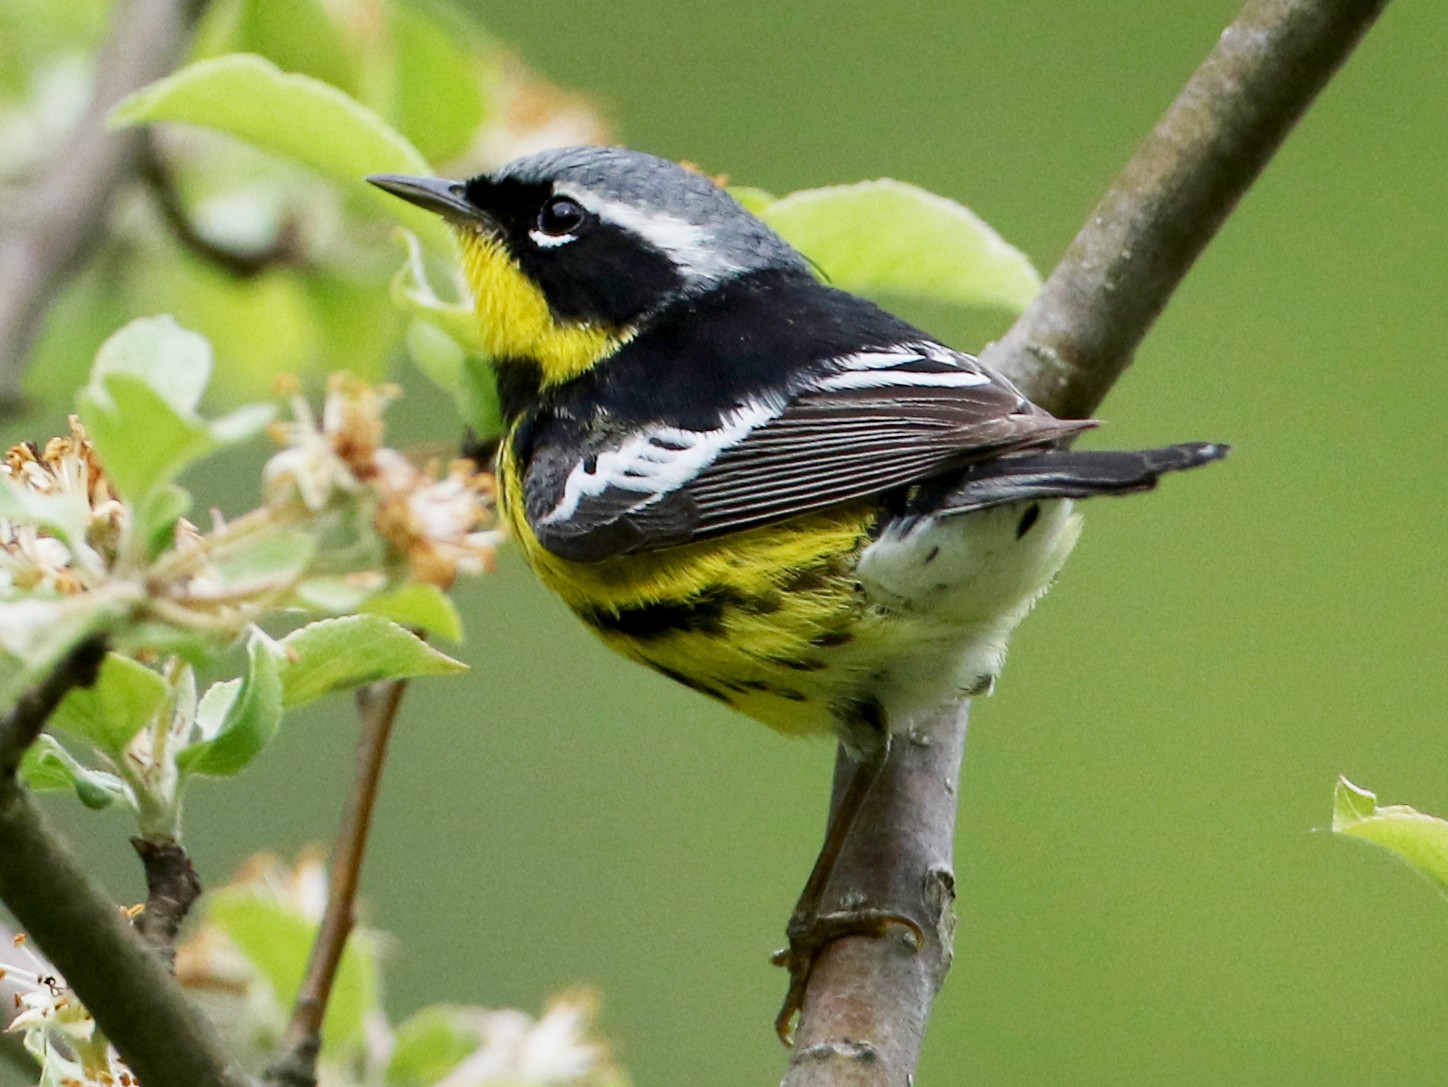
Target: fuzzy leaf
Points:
(890, 238)
(338, 654)
(295, 116)
(1420, 840)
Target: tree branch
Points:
(283, 250)
(59, 220)
(868, 1000)
(21, 727)
(172, 888)
(122, 982)
(296, 1064)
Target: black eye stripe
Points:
(560, 216)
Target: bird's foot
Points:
(810, 935)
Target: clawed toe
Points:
(809, 936)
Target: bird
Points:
(769, 490)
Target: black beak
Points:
(433, 193)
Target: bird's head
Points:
(570, 252)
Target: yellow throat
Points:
(515, 319)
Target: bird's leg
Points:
(809, 930)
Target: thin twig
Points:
(284, 249)
(53, 226)
(172, 888)
(21, 727)
(165, 1040)
(864, 1015)
(296, 1064)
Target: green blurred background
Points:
(1147, 893)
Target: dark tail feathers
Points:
(1069, 473)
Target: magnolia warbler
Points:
(769, 490)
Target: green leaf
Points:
(338, 654)
(890, 238)
(295, 116)
(1420, 840)
(468, 379)
(275, 557)
(754, 200)
(437, 100)
(147, 381)
(48, 766)
(297, 35)
(123, 409)
(251, 718)
(157, 516)
(431, 1043)
(124, 699)
(64, 516)
(278, 940)
(421, 607)
(413, 292)
(173, 361)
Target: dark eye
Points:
(561, 216)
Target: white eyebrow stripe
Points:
(653, 470)
(687, 244)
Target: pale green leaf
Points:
(63, 515)
(419, 606)
(48, 766)
(278, 940)
(148, 380)
(213, 707)
(174, 362)
(339, 654)
(1420, 840)
(251, 718)
(889, 238)
(120, 409)
(123, 700)
(273, 558)
(156, 517)
(413, 292)
(431, 1043)
(436, 98)
(753, 200)
(295, 116)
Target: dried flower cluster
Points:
(440, 522)
(66, 470)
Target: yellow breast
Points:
(766, 620)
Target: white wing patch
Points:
(656, 462)
(876, 379)
(918, 364)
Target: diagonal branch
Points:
(864, 1015)
(296, 1063)
(164, 1039)
(53, 226)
